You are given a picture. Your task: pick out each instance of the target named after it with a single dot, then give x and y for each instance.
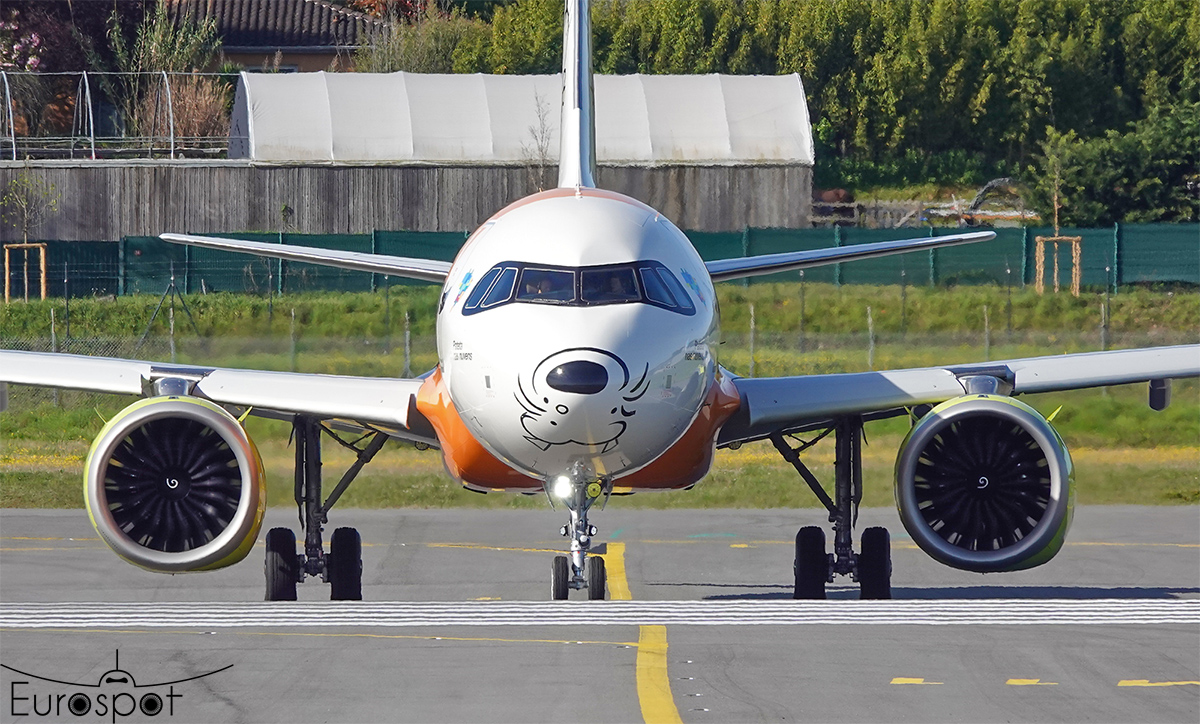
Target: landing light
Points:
(562, 487)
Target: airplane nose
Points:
(580, 376)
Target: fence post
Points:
(54, 346)
(1118, 274)
(407, 346)
(870, 340)
(67, 300)
(1024, 256)
(837, 268)
(746, 253)
(293, 335)
(281, 270)
(121, 266)
(1104, 312)
(751, 340)
(374, 250)
(187, 269)
(1007, 299)
(802, 285)
(932, 263)
(987, 336)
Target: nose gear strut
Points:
(579, 571)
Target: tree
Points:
(28, 202)
(1149, 172)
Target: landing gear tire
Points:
(560, 577)
(811, 565)
(875, 565)
(597, 578)
(282, 565)
(345, 565)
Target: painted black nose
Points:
(581, 377)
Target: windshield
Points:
(642, 282)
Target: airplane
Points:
(577, 340)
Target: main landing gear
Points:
(580, 570)
(341, 568)
(871, 567)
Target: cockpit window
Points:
(656, 291)
(502, 289)
(481, 288)
(546, 286)
(643, 282)
(677, 290)
(606, 286)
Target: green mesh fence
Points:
(1158, 253)
(78, 268)
(1120, 255)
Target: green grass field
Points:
(1124, 452)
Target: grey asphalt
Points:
(538, 672)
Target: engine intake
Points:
(174, 484)
(984, 483)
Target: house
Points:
(288, 35)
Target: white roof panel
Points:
(640, 119)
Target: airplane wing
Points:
(423, 269)
(774, 404)
(363, 402)
(753, 266)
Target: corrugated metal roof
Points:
(259, 24)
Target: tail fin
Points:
(577, 131)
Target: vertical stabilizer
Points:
(577, 131)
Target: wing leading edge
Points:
(753, 266)
(424, 269)
(366, 401)
(779, 403)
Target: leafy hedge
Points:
(978, 85)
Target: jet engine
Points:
(984, 483)
(174, 484)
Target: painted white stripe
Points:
(607, 613)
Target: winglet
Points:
(577, 130)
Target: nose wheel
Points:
(579, 570)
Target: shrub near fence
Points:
(1132, 254)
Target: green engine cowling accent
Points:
(230, 545)
(1036, 546)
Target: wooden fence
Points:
(107, 200)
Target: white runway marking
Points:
(607, 613)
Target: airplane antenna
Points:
(577, 131)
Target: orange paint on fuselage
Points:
(683, 464)
(689, 459)
(466, 460)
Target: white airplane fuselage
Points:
(577, 335)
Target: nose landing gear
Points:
(579, 571)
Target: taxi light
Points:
(562, 487)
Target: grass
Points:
(49, 475)
(1124, 452)
(827, 309)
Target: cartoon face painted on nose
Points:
(582, 396)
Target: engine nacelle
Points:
(173, 484)
(984, 483)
